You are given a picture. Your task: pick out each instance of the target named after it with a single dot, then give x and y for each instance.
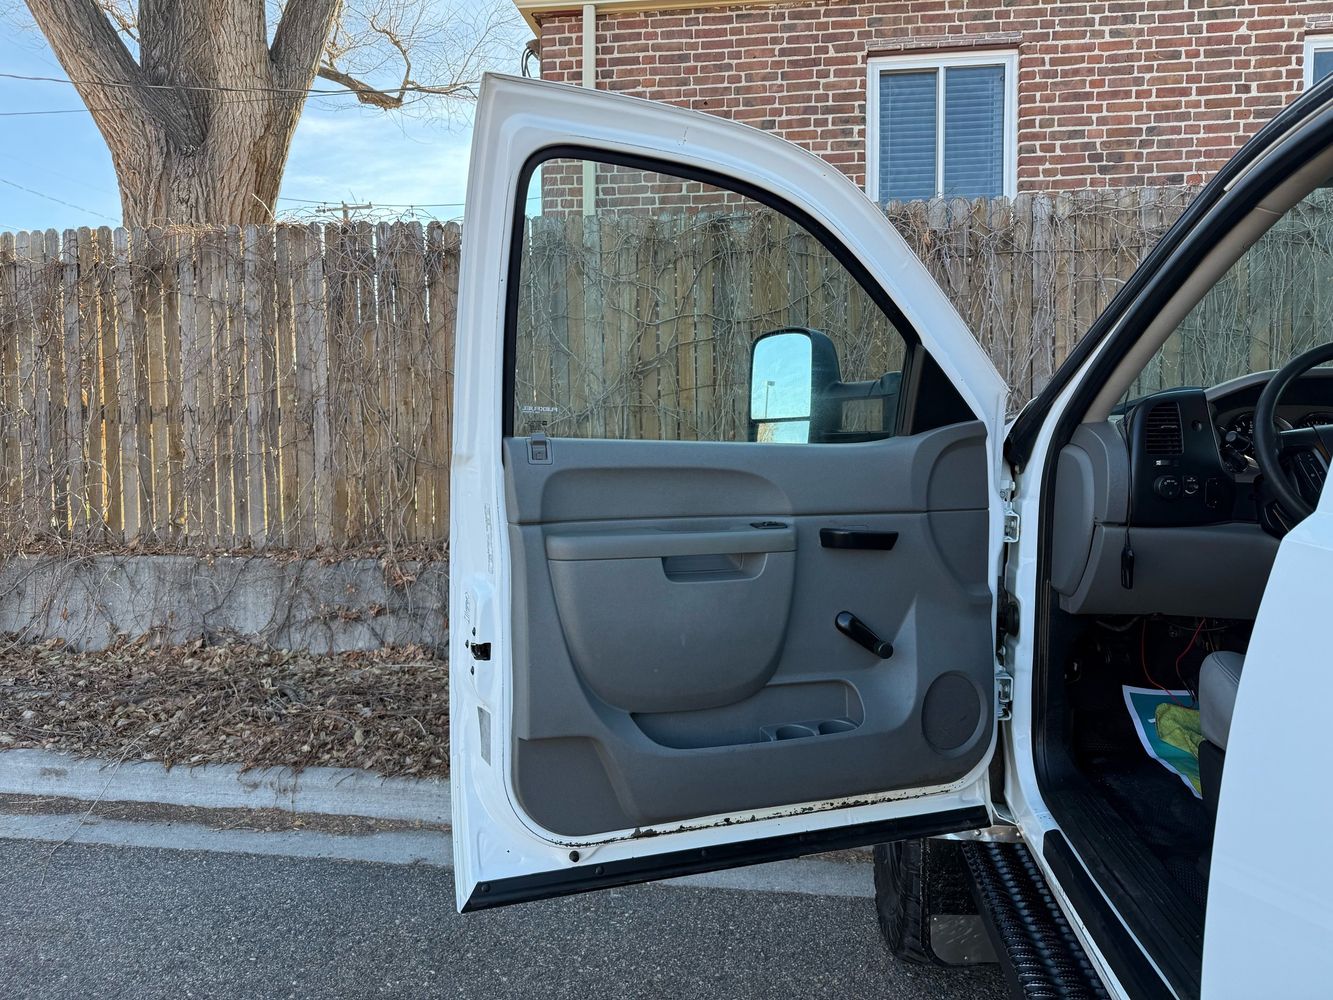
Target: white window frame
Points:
(1313, 44)
(940, 61)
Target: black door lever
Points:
(861, 634)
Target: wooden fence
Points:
(272, 386)
(290, 386)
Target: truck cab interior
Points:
(1171, 485)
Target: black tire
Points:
(914, 879)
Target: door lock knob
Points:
(862, 634)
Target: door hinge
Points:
(1011, 519)
(1004, 686)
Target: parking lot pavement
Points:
(82, 920)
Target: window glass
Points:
(907, 139)
(1273, 303)
(941, 131)
(974, 131)
(1323, 63)
(644, 299)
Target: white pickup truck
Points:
(815, 591)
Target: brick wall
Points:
(1118, 93)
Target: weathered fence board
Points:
(291, 386)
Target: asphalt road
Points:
(99, 921)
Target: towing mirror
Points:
(790, 373)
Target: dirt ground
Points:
(384, 711)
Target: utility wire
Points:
(390, 204)
(411, 87)
(56, 173)
(378, 204)
(58, 201)
(243, 100)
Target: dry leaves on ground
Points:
(385, 711)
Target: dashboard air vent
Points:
(1162, 434)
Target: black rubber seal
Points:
(586, 878)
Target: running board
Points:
(1041, 957)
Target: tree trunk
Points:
(231, 176)
(200, 126)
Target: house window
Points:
(942, 125)
(1318, 58)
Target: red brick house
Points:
(962, 97)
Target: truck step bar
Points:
(1041, 957)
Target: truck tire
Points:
(913, 880)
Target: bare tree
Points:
(198, 99)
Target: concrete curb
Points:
(327, 790)
(394, 847)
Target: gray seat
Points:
(1219, 679)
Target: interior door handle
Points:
(857, 538)
(861, 634)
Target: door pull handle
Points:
(857, 538)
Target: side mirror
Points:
(790, 371)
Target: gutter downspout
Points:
(589, 61)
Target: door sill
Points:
(1135, 884)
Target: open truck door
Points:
(726, 515)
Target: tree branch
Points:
(299, 40)
(91, 51)
(121, 17)
(389, 100)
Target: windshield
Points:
(1273, 303)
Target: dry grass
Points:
(384, 711)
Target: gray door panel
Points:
(604, 480)
(675, 651)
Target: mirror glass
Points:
(780, 377)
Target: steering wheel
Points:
(1295, 461)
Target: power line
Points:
(56, 173)
(124, 85)
(378, 204)
(59, 111)
(422, 88)
(243, 100)
(58, 201)
(391, 204)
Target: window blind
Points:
(974, 131)
(907, 109)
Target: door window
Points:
(658, 307)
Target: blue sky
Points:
(341, 151)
